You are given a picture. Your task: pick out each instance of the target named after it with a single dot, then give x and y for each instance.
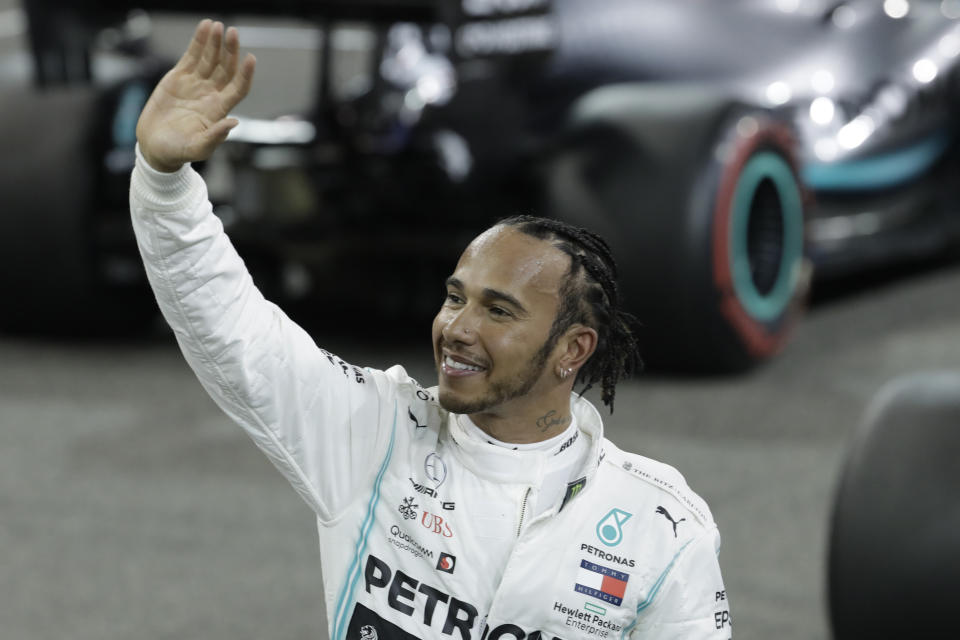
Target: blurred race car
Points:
(728, 150)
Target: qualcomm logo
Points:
(610, 527)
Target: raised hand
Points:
(185, 118)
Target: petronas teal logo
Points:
(610, 527)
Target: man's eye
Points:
(500, 312)
(453, 298)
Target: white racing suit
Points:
(424, 531)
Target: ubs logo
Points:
(436, 524)
(435, 468)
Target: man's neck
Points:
(533, 424)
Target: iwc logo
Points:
(367, 632)
(610, 527)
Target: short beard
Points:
(501, 392)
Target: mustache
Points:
(445, 348)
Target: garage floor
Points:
(129, 507)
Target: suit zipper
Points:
(523, 510)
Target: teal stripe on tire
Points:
(766, 307)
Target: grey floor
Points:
(129, 507)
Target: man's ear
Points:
(577, 345)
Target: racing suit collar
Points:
(515, 467)
(551, 445)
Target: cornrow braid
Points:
(589, 295)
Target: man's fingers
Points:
(191, 57)
(206, 85)
(231, 51)
(211, 51)
(227, 66)
(239, 85)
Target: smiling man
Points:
(488, 507)
(494, 338)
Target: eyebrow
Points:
(491, 294)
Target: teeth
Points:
(453, 364)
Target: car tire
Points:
(51, 183)
(701, 202)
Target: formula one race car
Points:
(728, 150)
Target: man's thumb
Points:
(219, 132)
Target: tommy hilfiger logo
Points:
(447, 562)
(600, 582)
(666, 514)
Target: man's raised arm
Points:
(316, 418)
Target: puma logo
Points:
(666, 514)
(416, 423)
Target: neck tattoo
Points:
(551, 419)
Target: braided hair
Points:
(589, 295)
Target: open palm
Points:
(185, 118)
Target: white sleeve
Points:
(693, 603)
(316, 417)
